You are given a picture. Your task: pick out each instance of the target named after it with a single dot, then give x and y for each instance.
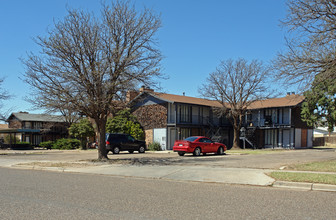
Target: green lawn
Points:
(305, 177)
(320, 166)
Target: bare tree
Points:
(86, 64)
(3, 96)
(311, 44)
(236, 84)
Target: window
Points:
(130, 138)
(205, 140)
(271, 138)
(37, 125)
(184, 133)
(27, 125)
(185, 114)
(191, 139)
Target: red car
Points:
(198, 145)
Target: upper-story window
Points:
(268, 116)
(37, 125)
(185, 113)
(271, 116)
(27, 125)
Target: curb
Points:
(305, 186)
(324, 187)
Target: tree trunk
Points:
(83, 144)
(101, 131)
(236, 132)
(236, 141)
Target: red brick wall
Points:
(14, 124)
(152, 116)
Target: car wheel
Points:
(141, 149)
(181, 154)
(220, 151)
(131, 151)
(116, 150)
(197, 151)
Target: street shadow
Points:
(167, 161)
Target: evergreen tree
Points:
(82, 130)
(320, 106)
(125, 122)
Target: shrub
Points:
(22, 146)
(46, 144)
(23, 143)
(11, 139)
(66, 144)
(154, 146)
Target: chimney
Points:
(131, 94)
(288, 93)
(183, 93)
(146, 89)
(293, 93)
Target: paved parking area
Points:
(260, 161)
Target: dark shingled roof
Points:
(23, 116)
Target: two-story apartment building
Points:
(268, 123)
(166, 118)
(36, 128)
(277, 123)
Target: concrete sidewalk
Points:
(199, 173)
(242, 176)
(184, 173)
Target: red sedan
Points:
(198, 145)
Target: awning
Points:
(14, 130)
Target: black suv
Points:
(124, 142)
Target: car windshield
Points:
(191, 139)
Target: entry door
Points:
(286, 138)
(172, 135)
(303, 137)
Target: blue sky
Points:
(195, 36)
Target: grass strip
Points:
(320, 166)
(304, 177)
(257, 151)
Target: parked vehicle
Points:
(124, 142)
(197, 145)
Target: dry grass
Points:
(320, 166)
(254, 152)
(304, 177)
(56, 164)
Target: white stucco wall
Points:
(160, 136)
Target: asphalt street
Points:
(229, 169)
(31, 194)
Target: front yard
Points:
(321, 166)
